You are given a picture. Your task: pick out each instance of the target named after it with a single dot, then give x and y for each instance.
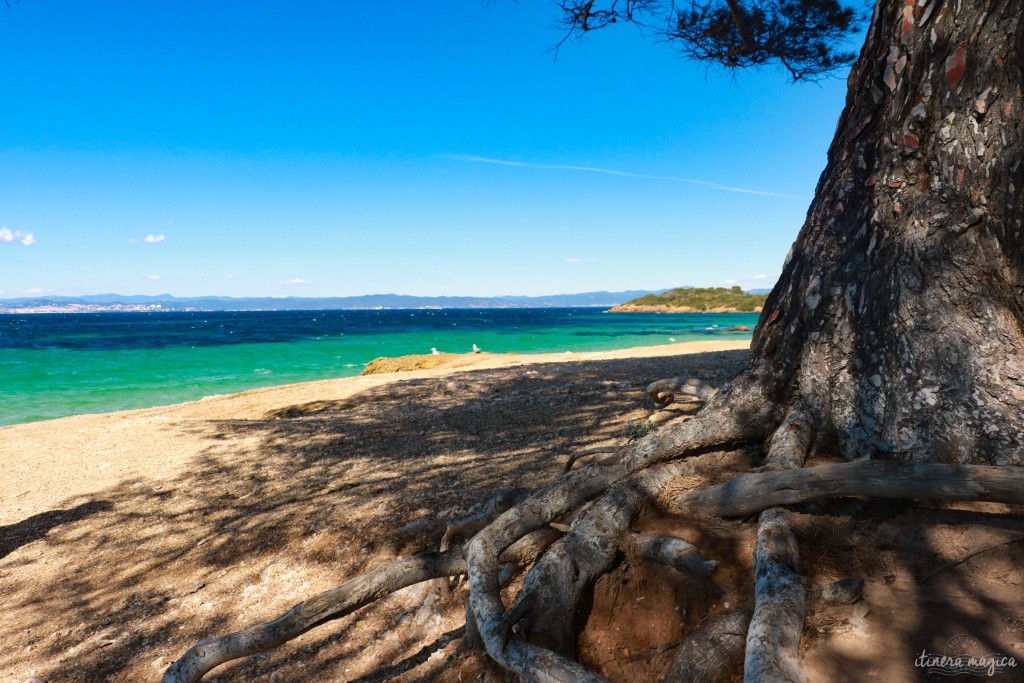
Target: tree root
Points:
(494, 507)
(791, 441)
(1019, 539)
(663, 392)
(773, 639)
(579, 455)
(337, 602)
(780, 597)
(671, 552)
(542, 645)
(606, 522)
(554, 588)
(721, 422)
(711, 651)
(751, 493)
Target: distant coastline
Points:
(696, 300)
(84, 308)
(635, 308)
(679, 300)
(156, 308)
(118, 303)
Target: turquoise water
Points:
(53, 365)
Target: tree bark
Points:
(712, 652)
(751, 493)
(899, 317)
(773, 640)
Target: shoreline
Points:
(445, 362)
(134, 534)
(448, 363)
(107, 448)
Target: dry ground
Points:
(125, 538)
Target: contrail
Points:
(625, 174)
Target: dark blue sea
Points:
(53, 365)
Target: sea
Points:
(54, 365)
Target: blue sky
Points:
(334, 149)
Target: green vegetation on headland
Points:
(696, 300)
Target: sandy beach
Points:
(110, 522)
(127, 537)
(46, 463)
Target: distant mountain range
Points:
(168, 302)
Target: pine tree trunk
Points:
(895, 332)
(898, 323)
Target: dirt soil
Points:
(127, 537)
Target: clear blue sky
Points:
(341, 148)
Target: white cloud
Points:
(730, 282)
(154, 277)
(132, 240)
(581, 260)
(759, 277)
(625, 174)
(8, 236)
(293, 281)
(34, 290)
(153, 239)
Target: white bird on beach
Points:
(476, 349)
(434, 351)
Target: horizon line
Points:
(357, 296)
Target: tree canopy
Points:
(807, 37)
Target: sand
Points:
(127, 537)
(108, 523)
(48, 462)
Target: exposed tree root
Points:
(945, 567)
(671, 552)
(663, 392)
(721, 422)
(791, 442)
(494, 507)
(555, 586)
(579, 455)
(536, 637)
(773, 639)
(337, 602)
(712, 651)
(752, 493)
